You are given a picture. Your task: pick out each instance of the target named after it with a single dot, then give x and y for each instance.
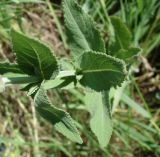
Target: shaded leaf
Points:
(61, 119)
(126, 54)
(122, 36)
(100, 71)
(33, 57)
(8, 67)
(17, 78)
(121, 47)
(28, 86)
(82, 35)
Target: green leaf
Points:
(33, 57)
(82, 35)
(122, 36)
(23, 80)
(121, 47)
(101, 71)
(16, 78)
(49, 84)
(28, 86)
(127, 54)
(101, 122)
(61, 119)
(63, 79)
(8, 67)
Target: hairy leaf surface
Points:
(101, 122)
(61, 119)
(33, 57)
(100, 71)
(82, 35)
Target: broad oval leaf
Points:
(101, 121)
(82, 35)
(61, 119)
(100, 71)
(33, 57)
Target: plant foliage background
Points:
(128, 28)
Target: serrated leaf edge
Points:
(124, 70)
(92, 21)
(40, 42)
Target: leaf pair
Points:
(35, 58)
(36, 61)
(6, 67)
(99, 71)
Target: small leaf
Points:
(101, 122)
(17, 78)
(122, 35)
(101, 71)
(82, 35)
(33, 57)
(127, 54)
(122, 47)
(28, 86)
(61, 119)
(49, 84)
(8, 67)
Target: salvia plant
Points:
(96, 69)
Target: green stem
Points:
(23, 79)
